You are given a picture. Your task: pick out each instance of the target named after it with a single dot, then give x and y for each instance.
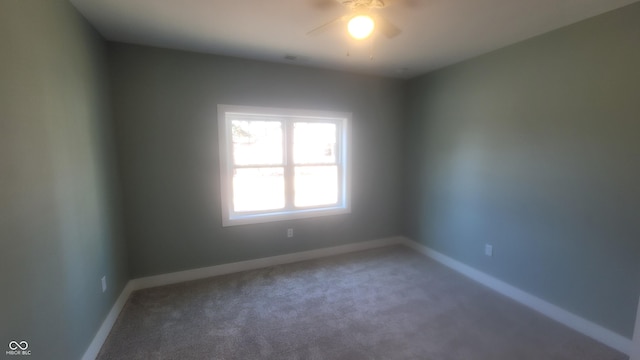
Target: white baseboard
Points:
(554, 312)
(107, 324)
(201, 273)
(573, 321)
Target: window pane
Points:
(314, 143)
(258, 189)
(316, 185)
(257, 142)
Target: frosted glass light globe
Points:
(360, 26)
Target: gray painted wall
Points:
(165, 105)
(531, 148)
(534, 149)
(59, 232)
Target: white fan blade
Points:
(322, 28)
(386, 27)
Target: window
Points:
(280, 164)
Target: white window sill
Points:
(281, 216)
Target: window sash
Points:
(228, 167)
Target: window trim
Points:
(287, 116)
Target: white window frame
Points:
(287, 117)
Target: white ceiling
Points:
(435, 32)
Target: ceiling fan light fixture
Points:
(361, 26)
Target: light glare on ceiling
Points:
(361, 26)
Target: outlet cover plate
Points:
(488, 249)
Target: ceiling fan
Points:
(361, 20)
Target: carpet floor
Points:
(387, 303)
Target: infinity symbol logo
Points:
(22, 345)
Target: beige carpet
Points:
(388, 303)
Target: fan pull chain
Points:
(372, 48)
(371, 52)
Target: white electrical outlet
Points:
(104, 283)
(488, 249)
(289, 232)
